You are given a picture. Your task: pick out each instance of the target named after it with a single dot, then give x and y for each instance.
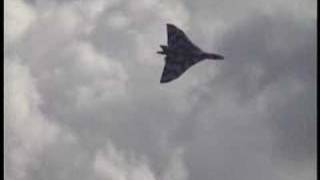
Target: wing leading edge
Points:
(181, 54)
(177, 39)
(173, 68)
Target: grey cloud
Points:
(272, 55)
(251, 116)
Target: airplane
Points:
(181, 54)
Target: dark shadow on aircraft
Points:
(181, 54)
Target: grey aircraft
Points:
(180, 54)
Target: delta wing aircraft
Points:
(180, 54)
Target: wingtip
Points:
(170, 25)
(165, 80)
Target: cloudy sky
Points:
(83, 98)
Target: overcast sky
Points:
(83, 98)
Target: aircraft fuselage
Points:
(180, 54)
(194, 54)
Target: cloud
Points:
(259, 108)
(88, 74)
(176, 169)
(111, 163)
(104, 78)
(18, 18)
(28, 130)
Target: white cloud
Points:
(299, 8)
(114, 164)
(176, 169)
(94, 8)
(29, 130)
(18, 17)
(118, 20)
(90, 66)
(106, 78)
(90, 11)
(167, 11)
